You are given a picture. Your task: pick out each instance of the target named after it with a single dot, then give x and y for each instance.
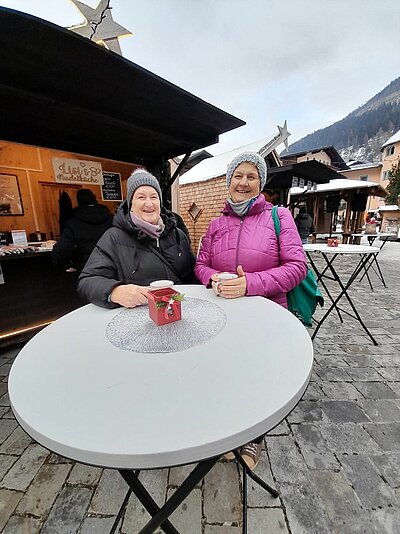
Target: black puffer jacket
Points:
(305, 225)
(125, 255)
(81, 234)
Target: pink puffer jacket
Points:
(271, 269)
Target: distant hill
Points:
(361, 134)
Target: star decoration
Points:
(284, 134)
(281, 137)
(99, 25)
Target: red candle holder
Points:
(165, 305)
(333, 242)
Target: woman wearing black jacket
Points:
(142, 246)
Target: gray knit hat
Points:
(138, 178)
(249, 157)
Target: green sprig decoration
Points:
(178, 297)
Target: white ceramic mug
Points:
(222, 277)
(161, 284)
(226, 276)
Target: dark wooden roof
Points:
(194, 160)
(60, 90)
(313, 171)
(336, 159)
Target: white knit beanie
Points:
(249, 157)
(138, 178)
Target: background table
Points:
(329, 254)
(82, 397)
(383, 238)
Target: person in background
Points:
(243, 241)
(65, 208)
(143, 245)
(371, 227)
(305, 224)
(88, 223)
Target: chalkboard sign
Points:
(111, 189)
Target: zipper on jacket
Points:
(238, 242)
(157, 242)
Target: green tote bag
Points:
(303, 299)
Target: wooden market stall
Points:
(324, 203)
(390, 222)
(281, 179)
(64, 97)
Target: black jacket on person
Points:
(178, 221)
(305, 225)
(81, 234)
(126, 255)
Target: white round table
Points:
(82, 397)
(341, 249)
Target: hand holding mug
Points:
(230, 285)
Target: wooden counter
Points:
(34, 293)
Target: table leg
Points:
(379, 274)
(366, 268)
(131, 478)
(160, 515)
(121, 512)
(244, 491)
(320, 278)
(248, 472)
(254, 477)
(379, 271)
(344, 292)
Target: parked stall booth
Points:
(390, 222)
(324, 203)
(280, 180)
(64, 96)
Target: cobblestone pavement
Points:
(335, 460)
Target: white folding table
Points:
(364, 254)
(82, 397)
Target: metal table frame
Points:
(374, 259)
(160, 515)
(365, 259)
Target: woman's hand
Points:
(215, 283)
(232, 289)
(129, 295)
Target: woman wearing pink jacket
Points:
(243, 241)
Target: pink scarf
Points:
(152, 230)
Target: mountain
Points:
(360, 135)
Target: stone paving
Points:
(335, 460)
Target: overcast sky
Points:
(308, 61)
